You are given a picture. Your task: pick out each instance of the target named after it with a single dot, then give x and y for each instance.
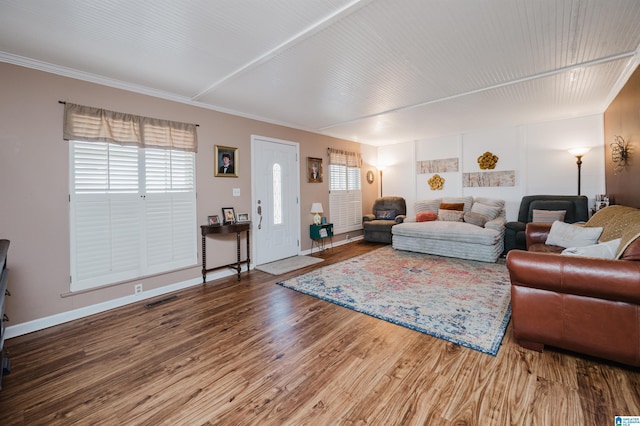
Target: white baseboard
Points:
(61, 318)
(336, 244)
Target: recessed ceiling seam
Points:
(292, 41)
(487, 88)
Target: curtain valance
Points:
(99, 125)
(344, 158)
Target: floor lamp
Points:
(380, 168)
(578, 153)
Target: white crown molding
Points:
(118, 84)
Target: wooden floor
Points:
(252, 352)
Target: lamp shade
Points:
(580, 151)
(316, 208)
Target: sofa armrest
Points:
(616, 280)
(537, 233)
(515, 226)
(497, 224)
(368, 217)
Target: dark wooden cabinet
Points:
(5, 364)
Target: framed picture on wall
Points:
(225, 161)
(314, 170)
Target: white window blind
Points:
(133, 212)
(345, 191)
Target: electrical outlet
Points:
(137, 289)
(348, 236)
(236, 192)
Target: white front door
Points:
(276, 209)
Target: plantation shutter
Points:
(345, 191)
(133, 206)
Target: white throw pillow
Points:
(606, 250)
(567, 235)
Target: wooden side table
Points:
(238, 228)
(319, 234)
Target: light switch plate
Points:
(236, 192)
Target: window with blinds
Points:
(345, 198)
(133, 212)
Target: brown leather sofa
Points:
(582, 304)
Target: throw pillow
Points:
(468, 201)
(386, 214)
(450, 215)
(567, 235)
(548, 216)
(475, 218)
(489, 211)
(452, 206)
(427, 205)
(606, 250)
(426, 216)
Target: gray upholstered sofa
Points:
(387, 212)
(477, 235)
(575, 207)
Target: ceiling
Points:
(377, 71)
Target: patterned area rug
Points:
(462, 301)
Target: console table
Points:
(238, 228)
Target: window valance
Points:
(99, 125)
(344, 158)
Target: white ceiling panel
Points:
(376, 71)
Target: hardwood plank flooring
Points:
(252, 352)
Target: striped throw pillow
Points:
(548, 216)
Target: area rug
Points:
(287, 265)
(462, 301)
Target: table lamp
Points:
(316, 208)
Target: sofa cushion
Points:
(385, 214)
(427, 205)
(449, 231)
(450, 215)
(487, 210)
(605, 250)
(631, 251)
(568, 235)
(490, 201)
(548, 216)
(426, 216)
(630, 244)
(475, 218)
(452, 206)
(566, 205)
(468, 201)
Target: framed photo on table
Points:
(314, 170)
(243, 217)
(228, 215)
(225, 160)
(214, 220)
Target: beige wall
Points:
(34, 174)
(622, 118)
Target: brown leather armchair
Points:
(581, 304)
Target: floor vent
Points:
(161, 302)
